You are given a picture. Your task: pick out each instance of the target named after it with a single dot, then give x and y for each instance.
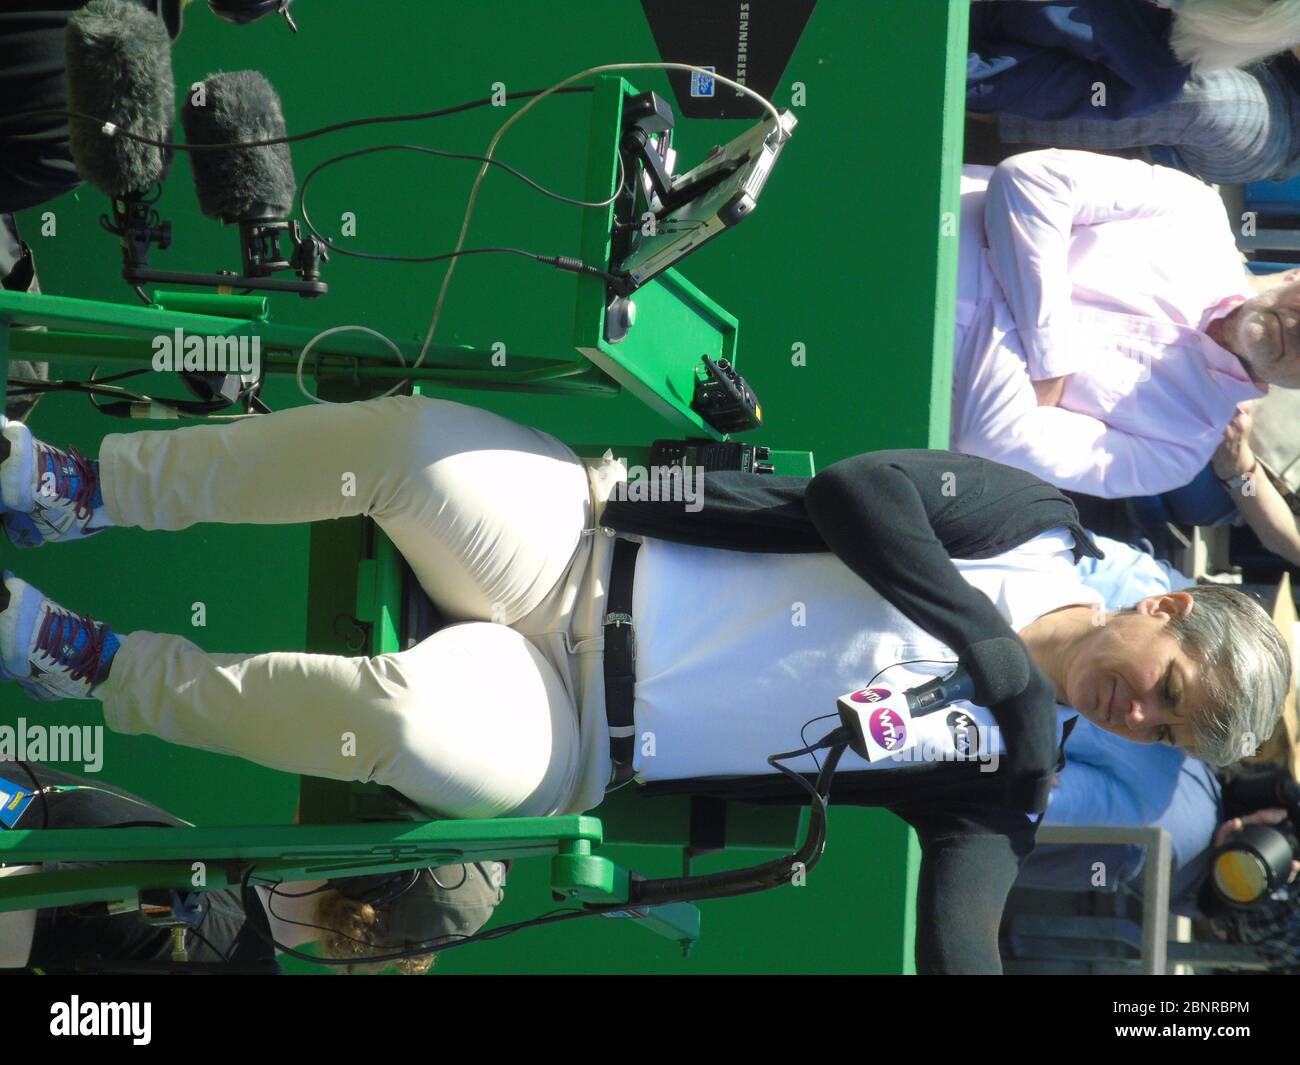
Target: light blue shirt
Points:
(1112, 781)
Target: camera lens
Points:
(1240, 877)
(1252, 865)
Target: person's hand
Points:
(1233, 458)
(1259, 817)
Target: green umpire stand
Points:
(844, 281)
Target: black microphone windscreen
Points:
(119, 68)
(242, 184)
(999, 667)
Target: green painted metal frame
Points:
(163, 857)
(104, 333)
(208, 859)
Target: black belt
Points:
(620, 662)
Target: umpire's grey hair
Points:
(1245, 671)
(1219, 34)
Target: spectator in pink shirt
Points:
(1105, 327)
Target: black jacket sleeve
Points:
(898, 518)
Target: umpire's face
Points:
(1131, 676)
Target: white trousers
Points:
(501, 714)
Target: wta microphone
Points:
(252, 187)
(119, 69)
(994, 673)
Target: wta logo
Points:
(871, 695)
(887, 728)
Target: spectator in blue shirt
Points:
(1103, 61)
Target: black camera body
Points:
(1253, 864)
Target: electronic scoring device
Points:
(676, 214)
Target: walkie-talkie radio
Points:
(711, 455)
(724, 399)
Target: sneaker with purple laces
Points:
(52, 653)
(47, 494)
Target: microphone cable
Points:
(306, 216)
(128, 404)
(113, 130)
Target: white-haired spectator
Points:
(1220, 34)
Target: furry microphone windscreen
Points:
(241, 184)
(999, 667)
(119, 69)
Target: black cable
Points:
(115, 376)
(273, 885)
(803, 728)
(768, 875)
(188, 408)
(442, 154)
(562, 262)
(780, 871)
(912, 662)
(293, 138)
